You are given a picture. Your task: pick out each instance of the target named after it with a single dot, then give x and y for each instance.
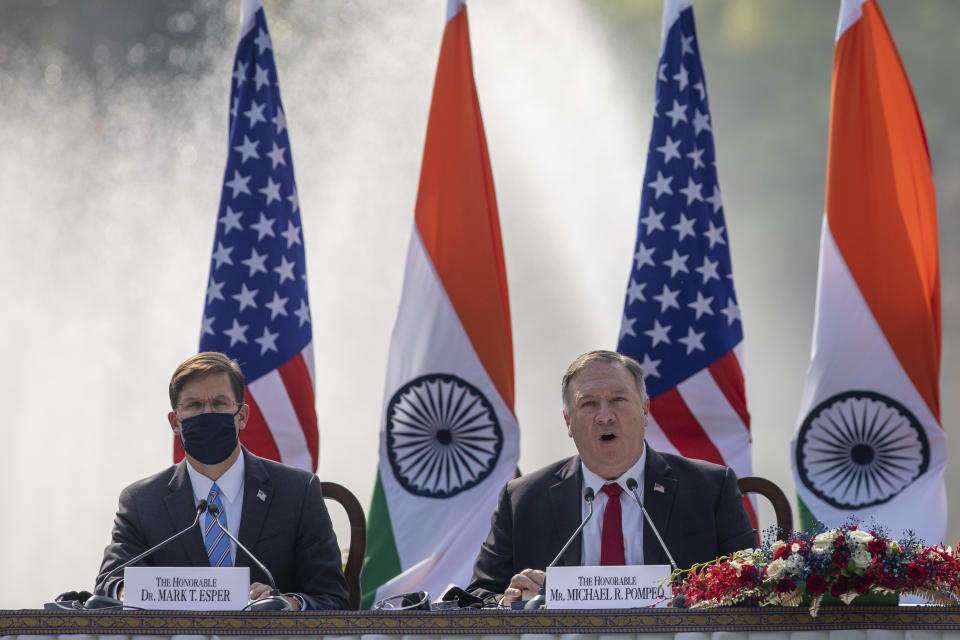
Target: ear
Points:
(646, 407)
(566, 418)
(174, 423)
(243, 416)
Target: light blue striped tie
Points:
(218, 544)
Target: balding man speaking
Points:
(695, 505)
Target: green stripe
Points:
(382, 562)
(806, 517)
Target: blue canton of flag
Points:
(257, 309)
(681, 318)
(681, 312)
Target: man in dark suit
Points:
(695, 505)
(276, 511)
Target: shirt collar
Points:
(595, 482)
(230, 483)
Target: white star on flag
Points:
(251, 264)
(694, 380)
(661, 185)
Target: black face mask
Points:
(209, 437)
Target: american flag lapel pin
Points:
(263, 497)
(657, 487)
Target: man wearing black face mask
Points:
(276, 511)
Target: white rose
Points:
(795, 547)
(775, 569)
(859, 536)
(861, 558)
(824, 541)
(776, 546)
(744, 555)
(821, 546)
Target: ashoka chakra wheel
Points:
(860, 448)
(443, 436)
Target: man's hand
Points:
(259, 590)
(526, 580)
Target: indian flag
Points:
(449, 439)
(869, 441)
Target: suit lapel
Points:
(257, 495)
(565, 503)
(659, 493)
(181, 510)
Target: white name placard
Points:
(187, 588)
(608, 587)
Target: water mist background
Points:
(113, 121)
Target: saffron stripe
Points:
(880, 198)
(456, 211)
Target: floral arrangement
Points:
(844, 563)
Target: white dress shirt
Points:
(632, 517)
(231, 495)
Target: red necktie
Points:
(611, 538)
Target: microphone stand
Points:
(273, 602)
(540, 600)
(680, 600)
(632, 486)
(103, 601)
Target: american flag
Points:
(680, 318)
(257, 309)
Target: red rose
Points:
(862, 583)
(749, 572)
(782, 552)
(840, 559)
(877, 547)
(916, 572)
(786, 585)
(816, 584)
(888, 581)
(839, 587)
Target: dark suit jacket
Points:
(700, 515)
(289, 531)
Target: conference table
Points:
(728, 623)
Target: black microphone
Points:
(538, 601)
(68, 601)
(275, 601)
(102, 601)
(632, 487)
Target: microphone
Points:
(632, 487)
(102, 601)
(68, 601)
(538, 601)
(274, 602)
